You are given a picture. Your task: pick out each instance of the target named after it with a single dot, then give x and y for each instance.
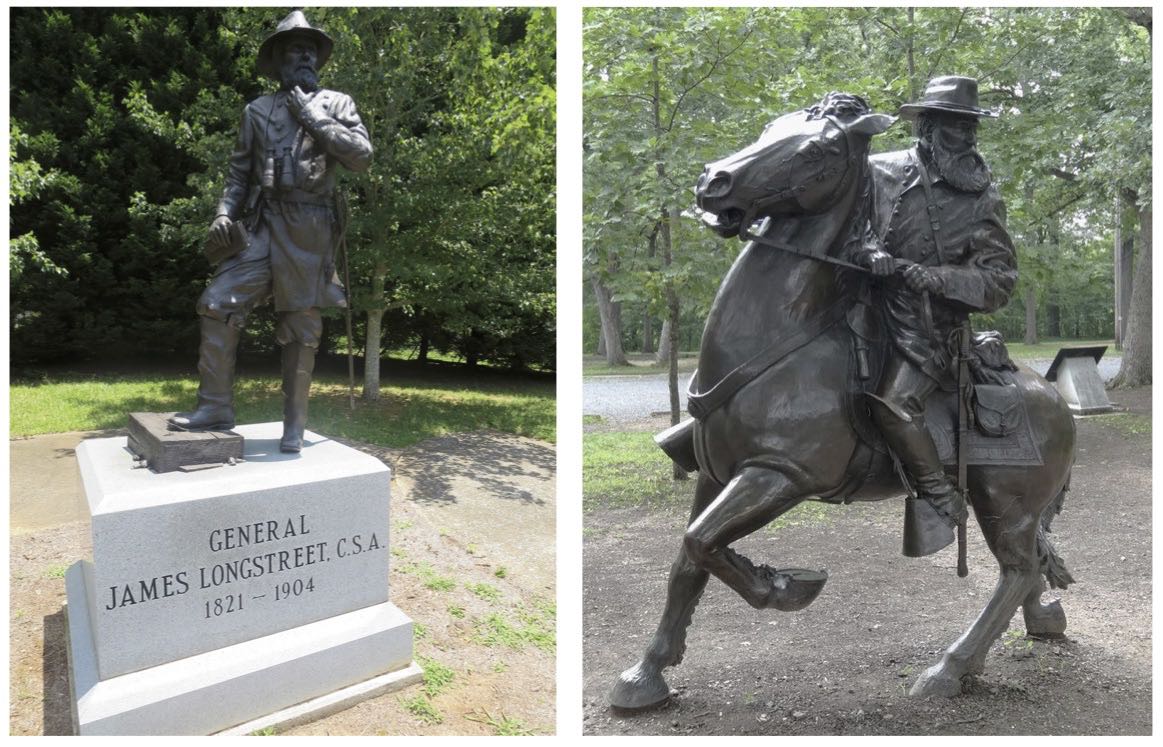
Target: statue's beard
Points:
(298, 74)
(964, 170)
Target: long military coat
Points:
(978, 270)
(297, 228)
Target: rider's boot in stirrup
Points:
(938, 507)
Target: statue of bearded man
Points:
(277, 227)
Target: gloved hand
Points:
(220, 231)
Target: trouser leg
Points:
(217, 353)
(298, 332)
(929, 521)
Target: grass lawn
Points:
(412, 407)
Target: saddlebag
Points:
(997, 409)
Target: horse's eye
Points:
(813, 152)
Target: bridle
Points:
(795, 190)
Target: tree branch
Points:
(703, 79)
(952, 40)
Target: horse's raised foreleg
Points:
(756, 496)
(642, 685)
(1009, 531)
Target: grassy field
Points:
(411, 408)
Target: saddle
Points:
(999, 431)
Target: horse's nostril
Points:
(719, 186)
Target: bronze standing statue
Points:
(277, 227)
(798, 344)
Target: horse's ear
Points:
(871, 124)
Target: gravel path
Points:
(622, 399)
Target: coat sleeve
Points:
(984, 281)
(338, 128)
(238, 172)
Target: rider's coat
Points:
(293, 226)
(979, 267)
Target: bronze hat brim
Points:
(910, 111)
(266, 62)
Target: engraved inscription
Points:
(259, 562)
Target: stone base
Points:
(259, 682)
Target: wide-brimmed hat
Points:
(293, 25)
(950, 93)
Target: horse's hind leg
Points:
(642, 685)
(1047, 620)
(756, 496)
(1009, 531)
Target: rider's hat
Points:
(293, 25)
(950, 93)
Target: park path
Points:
(623, 399)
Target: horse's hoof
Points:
(795, 588)
(639, 688)
(936, 682)
(1047, 621)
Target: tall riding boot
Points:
(216, 358)
(298, 364)
(939, 507)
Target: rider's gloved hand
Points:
(880, 262)
(922, 279)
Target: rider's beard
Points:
(299, 74)
(965, 169)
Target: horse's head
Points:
(802, 163)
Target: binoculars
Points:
(279, 172)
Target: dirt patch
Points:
(843, 665)
(479, 618)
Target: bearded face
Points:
(298, 64)
(949, 143)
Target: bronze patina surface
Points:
(278, 227)
(822, 305)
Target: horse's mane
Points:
(837, 104)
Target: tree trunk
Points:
(422, 356)
(1031, 316)
(664, 338)
(371, 356)
(1136, 367)
(673, 309)
(647, 332)
(611, 325)
(371, 350)
(1123, 273)
(1053, 320)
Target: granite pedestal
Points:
(216, 598)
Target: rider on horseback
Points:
(942, 213)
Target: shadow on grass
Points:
(58, 702)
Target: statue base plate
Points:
(165, 450)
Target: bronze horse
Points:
(784, 433)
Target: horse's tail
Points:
(1050, 563)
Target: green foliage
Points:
(421, 707)
(123, 119)
(437, 677)
(627, 469)
(667, 90)
(485, 591)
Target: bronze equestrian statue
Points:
(791, 365)
(277, 227)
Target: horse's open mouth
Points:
(725, 224)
